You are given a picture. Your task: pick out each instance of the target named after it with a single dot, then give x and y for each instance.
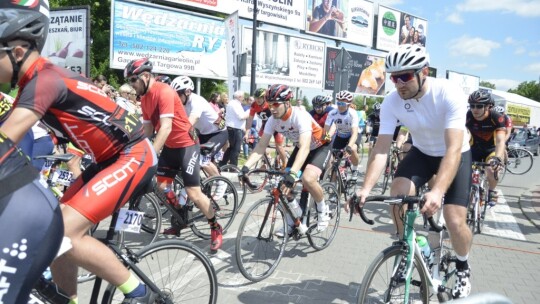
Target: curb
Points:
(526, 202)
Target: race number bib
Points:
(62, 177)
(129, 221)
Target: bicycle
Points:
(392, 161)
(338, 173)
(179, 272)
(519, 161)
(401, 273)
(258, 250)
(478, 199)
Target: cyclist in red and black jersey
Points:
(321, 108)
(507, 122)
(78, 112)
(488, 131)
(261, 108)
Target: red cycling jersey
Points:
(162, 101)
(263, 111)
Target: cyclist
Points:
(309, 156)
(345, 120)
(76, 110)
(176, 140)
(261, 108)
(210, 125)
(488, 131)
(374, 121)
(321, 108)
(434, 112)
(362, 118)
(507, 122)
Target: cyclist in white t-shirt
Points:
(434, 110)
(345, 120)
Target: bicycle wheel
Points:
(386, 176)
(258, 250)
(231, 172)
(520, 161)
(151, 223)
(322, 239)
(181, 271)
(482, 208)
(377, 280)
(224, 206)
(472, 209)
(259, 179)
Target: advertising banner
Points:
(233, 46)
(520, 114)
(395, 28)
(366, 76)
(68, 42)
(287, 13)
(466, 82)
(286, 59)
(176, 42)
(349, 20)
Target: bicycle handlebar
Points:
(486, 164)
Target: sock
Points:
(461, 263)
(354, 168)
(74, 301)
(132, 285)
(321, 206)
(213, 223)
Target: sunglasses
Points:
(133, 79)
(404, 78)
(275, 104)
(341, 103)
(476, 106)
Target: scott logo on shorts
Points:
(117, 176)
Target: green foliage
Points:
(487, 85)
(529, 89)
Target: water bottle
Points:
(426, 250)
(171, 196)
(182, 198)
(297, 210)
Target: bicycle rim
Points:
(520, 161)
(231, 172)
(322, 239)
(259, 179)
(181, 271)
(258, 250)
(224, 207)
(376, 283)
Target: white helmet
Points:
(406, 57)
(182, 83)
(499, 109)
(344, 95)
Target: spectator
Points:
(235, 117)
(127, 98)
(100, 81)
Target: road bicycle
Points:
(179, 272)
(478, 199)
(401, 273)
(339, 173)
(258, 249)
(392, 161)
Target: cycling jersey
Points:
(293, 123)
(374, 121)
(263, 112)
(443, 106)
(321, 118)
(199, 107)
(77, 111)
(483, 132)
(162, 101)
(344, 122)
(508, 122)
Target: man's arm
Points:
(148, 129)
(304, 143)
(193, 119)
(163, 133)
(500, 143)
(18, 123)
(249, 121)
(354, 136)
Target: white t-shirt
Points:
(444, 106)
(344, 121)
(235, 115)
(298, 122)
(198, 106)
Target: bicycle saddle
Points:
(60, 157)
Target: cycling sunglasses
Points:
(341, 103)
(404, 78)
(275, 104)
(476, 106)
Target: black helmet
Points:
(27, 21)
(279, 92)
(260, 93)
(164, 78)
(136, 67)
(481, 97)
(318, 101)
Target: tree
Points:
(529, 89)
(487, 85)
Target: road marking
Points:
(501, 222)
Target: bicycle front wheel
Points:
(231, 172)
(386, 177)
(258, 250)
(320, 239)
(376, 285)
(520, 161)
(180, 270)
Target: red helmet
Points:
(279, 92)
(136, 67)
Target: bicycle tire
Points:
(231, 172)
(520, 161)
(483, 208)
(259, 179)
(151, 223)
(182, 272)
(370, 293)
(319, 240)
(472, 209)
(502, 174)
(263, 218)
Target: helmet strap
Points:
(420, 85)
(17, 65)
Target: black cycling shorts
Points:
(318, 157)
(340, 142)
(420, 168)
(185, 160)
(219, 138)
(481, 154)
(32, 231)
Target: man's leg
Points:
(400, 186)
(203, 203)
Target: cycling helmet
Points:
(406, 57)
(481, 97)
(328, 98)
(279, 92)
(260, 93)
(182, 83)
(344, 96)
(164, 78)
(318, 101)
(137, 66)
(377, 106)
(25, 20)
(499, 109)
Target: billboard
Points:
(68, 41)
(466, 82)
(349, 20)
(177, 42)
(367, 75)
(284, 12)
(286, 59)
(395, 28)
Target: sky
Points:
(496, 40)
